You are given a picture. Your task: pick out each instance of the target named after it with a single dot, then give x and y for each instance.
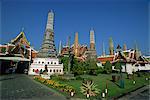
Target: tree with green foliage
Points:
(91, 67)
(100, 70)
(108, 67)
(78, 67)
(65, 61)
(92, 64)
(118, 66)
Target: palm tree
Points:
(89, 88)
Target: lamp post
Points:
(134, 82)
(88, 95)
(106, 91)
(71, 93)
(103, 95)
(146, 78)
(133, 77)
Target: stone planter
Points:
(45, 76)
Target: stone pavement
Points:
(21, 87)
(140, 94)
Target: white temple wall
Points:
(123, 68)
(53, 66)
(129, 68)
(146, 67)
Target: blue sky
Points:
(126, 21)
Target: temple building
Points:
(76, 49)
(64, 50)
(81, 52)
(47, 55)
(103, 59)
(17, 54)
(131, 62)
(130, 59)
(107, 57)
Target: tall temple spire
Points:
(103, 50)
(111, 46)
(91, 53)
(137, 51)
(48, 46)
(76, 44)
(60, 47)
(50, 21)
(92, 39)
(124, 47)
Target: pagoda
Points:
(47, 57)
(91, 53)
(48, 46)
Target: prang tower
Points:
(76, 45)
(111, 46)
(91, 53)
(48, 47)
(92, 40)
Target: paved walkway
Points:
(21, 87)
(140, 94)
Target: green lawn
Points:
(113, 89)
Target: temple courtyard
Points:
(22, 87)
(101, 81)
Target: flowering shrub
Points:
(55, 84)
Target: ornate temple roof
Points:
(21, 38)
